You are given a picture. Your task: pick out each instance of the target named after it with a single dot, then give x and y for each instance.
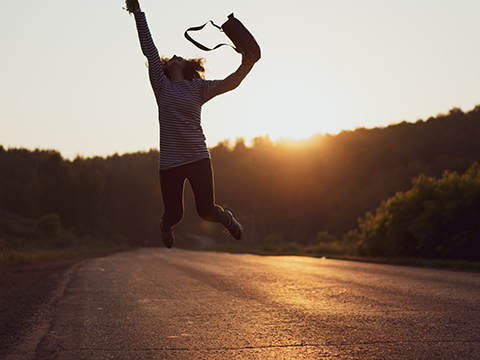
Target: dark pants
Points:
(200, 176)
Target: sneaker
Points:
(167, 237)
(234, 228)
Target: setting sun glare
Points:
(298, 114)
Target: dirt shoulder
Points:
(25, 290)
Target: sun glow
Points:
(298, 113)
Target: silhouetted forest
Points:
(288, 190)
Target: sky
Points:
(73, 78)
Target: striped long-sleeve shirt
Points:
(179, 104)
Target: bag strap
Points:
(197, 44)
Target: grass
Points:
(295, 249)
(22, 241)
(462, 265)
(39, 254)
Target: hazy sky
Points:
(72, 77)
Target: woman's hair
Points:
(193, 68)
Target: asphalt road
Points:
(173, 304)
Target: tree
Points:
(437, 218)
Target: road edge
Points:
(27, 347)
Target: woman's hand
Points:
(132, 6)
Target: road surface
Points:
(174, 304)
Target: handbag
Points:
(243, 40)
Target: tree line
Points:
(289, 190)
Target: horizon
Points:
(249, 143)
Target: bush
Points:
(332, 248)
(292, 248)
(273, 242)
(352, 237)
(435, 219)
(49, 225)
(325, 237)
(329, 245)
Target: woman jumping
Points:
(180, 91)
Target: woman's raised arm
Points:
(147, 45)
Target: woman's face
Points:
(176, 61)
